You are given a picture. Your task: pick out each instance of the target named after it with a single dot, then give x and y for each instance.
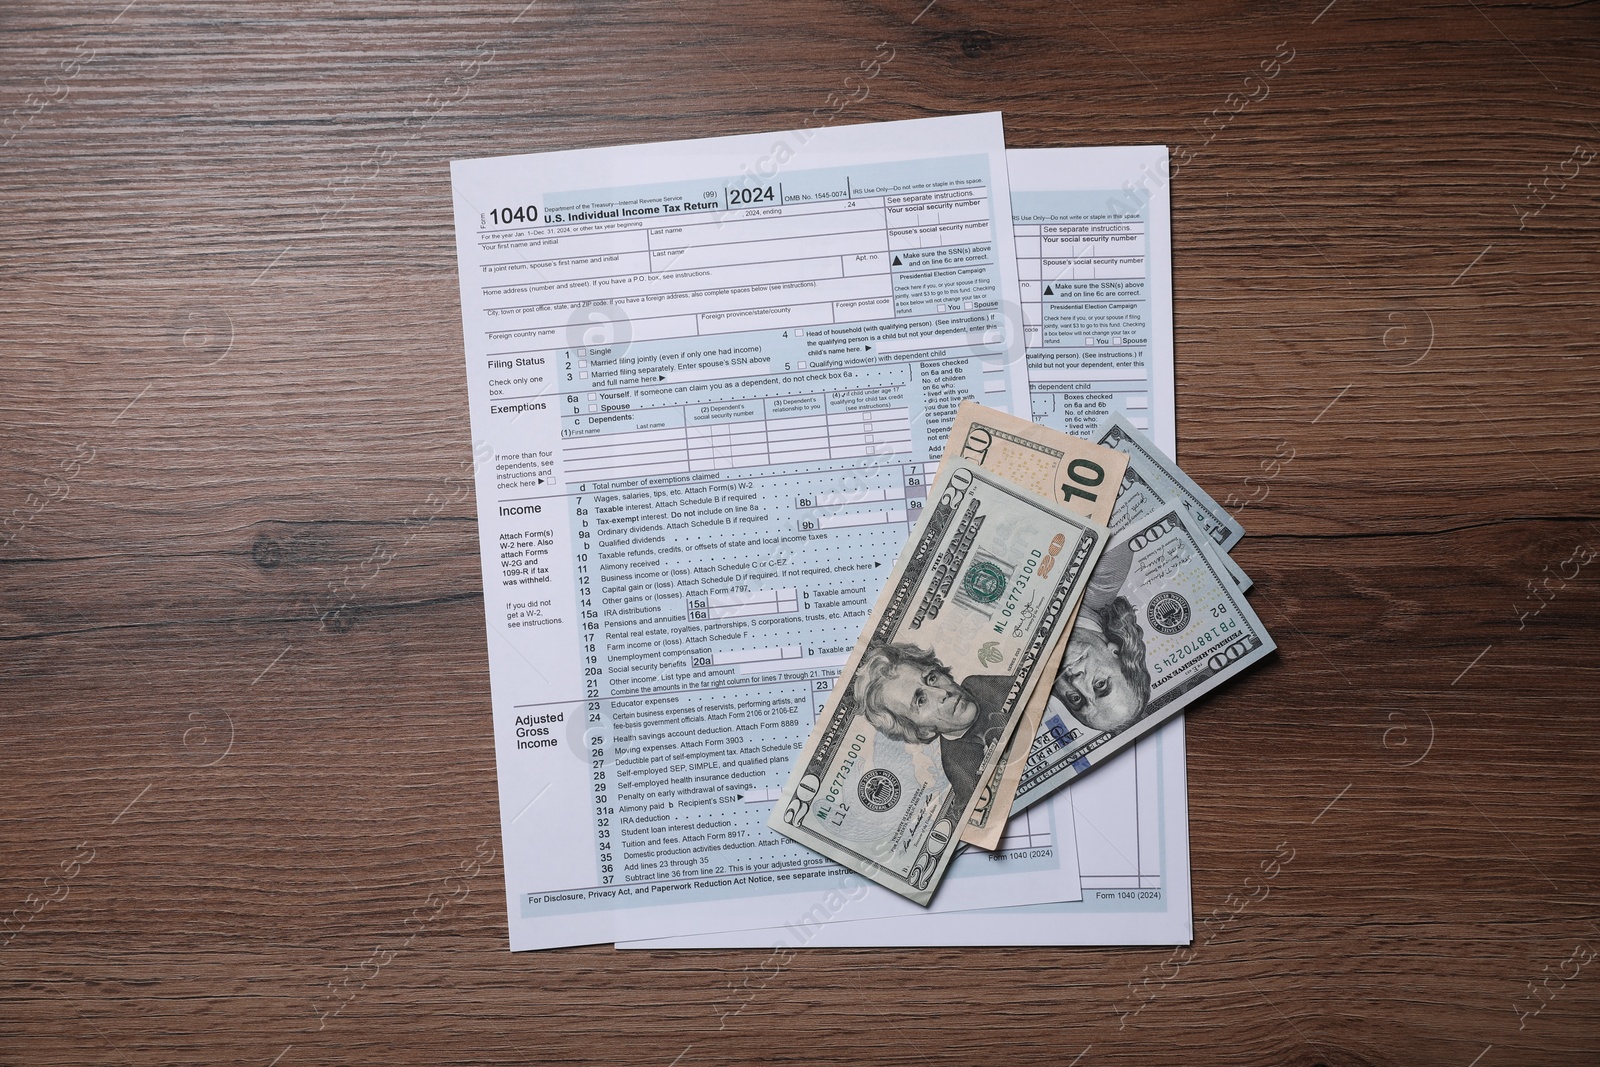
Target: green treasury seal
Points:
(984, 582)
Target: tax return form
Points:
(1094, 251)
(709, 383)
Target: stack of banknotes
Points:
(1059, 599)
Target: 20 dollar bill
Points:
(933, 690)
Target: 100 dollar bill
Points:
(1150, 485)
(932, 691)
(1153, 481)
(1161, 624)
(1167, 484)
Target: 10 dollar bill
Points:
(1075, 473)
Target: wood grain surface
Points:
(231, 371)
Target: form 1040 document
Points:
(1093, 234)
(709, 384)
(1094, 254)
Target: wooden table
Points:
(231, 379)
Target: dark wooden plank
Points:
(231, 367)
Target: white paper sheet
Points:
(709, 383)
(1094, 247)
(1094, 253)
(1132, 843)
